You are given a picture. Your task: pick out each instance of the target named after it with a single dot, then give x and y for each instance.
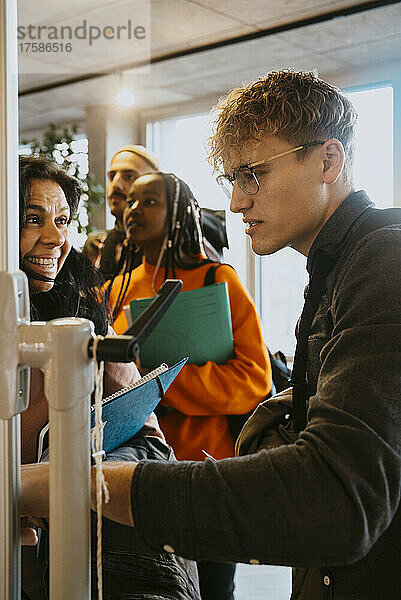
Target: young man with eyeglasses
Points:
(331, 499)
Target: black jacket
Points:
(332, 498)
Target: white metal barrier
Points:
(60, 349)
(9, 428)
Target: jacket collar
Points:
(333, 235)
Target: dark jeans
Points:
(129, 570)
(216, 580)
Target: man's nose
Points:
(117, 182)
(239, 200)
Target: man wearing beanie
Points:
(106, 248)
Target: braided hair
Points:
(184, 236)
(184, 233)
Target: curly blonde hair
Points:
(296, 106)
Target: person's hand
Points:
(35, 490)
(118, 476)
(28, 536)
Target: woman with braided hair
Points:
(163, 219)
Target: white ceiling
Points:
(367, 41)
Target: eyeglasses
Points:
(246, 177)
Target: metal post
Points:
(9, 427)
(60, 349)
(68, 387)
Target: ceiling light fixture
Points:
(124, 96)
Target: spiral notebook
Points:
(126, 411)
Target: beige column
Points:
(108, 128)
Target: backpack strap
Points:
(210, 277)
(375, 219)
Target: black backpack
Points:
(281, 373)
(213, 224)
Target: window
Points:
(282, 278)
(373, 166)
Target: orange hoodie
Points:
(203, 395)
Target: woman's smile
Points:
(42, 264)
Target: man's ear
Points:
(333, 160)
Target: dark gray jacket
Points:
(331, 499)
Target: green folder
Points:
(197, 325)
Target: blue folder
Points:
(126, 411)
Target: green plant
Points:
(71, 152)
